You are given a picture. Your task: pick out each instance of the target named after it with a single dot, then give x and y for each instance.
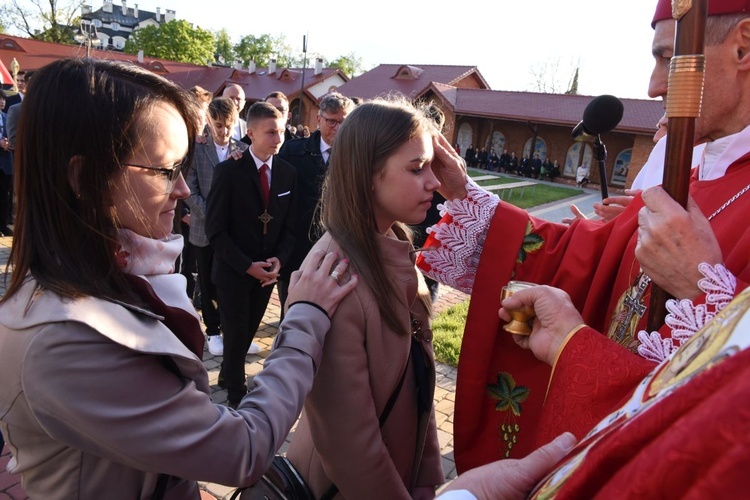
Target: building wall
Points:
(641, 150)
(557, 139)
(470, 82)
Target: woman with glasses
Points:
(368, 429)
(103, 391)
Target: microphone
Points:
(601, 115)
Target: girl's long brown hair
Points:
(368, 137)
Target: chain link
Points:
(730, 201)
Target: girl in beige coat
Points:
(381, 177)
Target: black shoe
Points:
(6, 231)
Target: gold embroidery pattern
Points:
(509, 398)
(629, 310)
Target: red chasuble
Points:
(684, 432)
(501, 388)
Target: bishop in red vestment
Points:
(680, 429)
(483, 243)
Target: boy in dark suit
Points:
(250, 224)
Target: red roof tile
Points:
(258, 84)
(640, 115)
(383, 79)
(34, 54)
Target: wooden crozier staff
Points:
(684, 96)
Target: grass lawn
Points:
(447, 332)
(541, 193)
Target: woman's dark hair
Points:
(70, 151)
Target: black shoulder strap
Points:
(161, 487)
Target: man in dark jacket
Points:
(309, 156)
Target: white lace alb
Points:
(456, 260)
(684, 318)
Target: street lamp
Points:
(87, 34)
(302, 90)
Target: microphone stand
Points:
(600, 154)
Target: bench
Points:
(501, 189)
(485, 178)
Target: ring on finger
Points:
(335, 275)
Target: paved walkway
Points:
(10, 487)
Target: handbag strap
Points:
(161, 487)
(328, 495)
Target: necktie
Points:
(328, 156)
(265, 184)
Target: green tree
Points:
(285, 56)
(176, 40)
(349, 64)
(48, 20)
(224, 48)
(259, 49)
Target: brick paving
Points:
(10, 486)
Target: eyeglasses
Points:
(171, 174)
(331, 122)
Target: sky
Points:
(505, 40)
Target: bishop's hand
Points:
(449, 168)
(555, 318)
(672, 242)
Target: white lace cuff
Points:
(454, 262)
(685, 318)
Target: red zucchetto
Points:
(715, 8)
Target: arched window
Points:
(498, 142)
(118, 42)
(541, 148)
(622, 164)
(115, 26)
(465, 137)
(578, 153)
(294, 110)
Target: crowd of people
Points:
(534, 167)
(104, 393)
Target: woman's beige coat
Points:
(339, 438)
(90, 409)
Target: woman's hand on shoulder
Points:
(322, 279)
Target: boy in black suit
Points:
(249, 222)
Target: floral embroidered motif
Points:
(454, 261)
(509, 398)
(532, 242)
(686, 318)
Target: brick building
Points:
(479, 116)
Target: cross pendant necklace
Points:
(265, 218)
